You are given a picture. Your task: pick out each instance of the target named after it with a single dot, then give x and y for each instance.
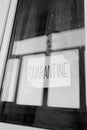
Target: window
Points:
(44, 78)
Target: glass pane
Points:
(39, 17)
(31, 81)
(64, 86)
(32, 45)
(68, 39)
(65, 15)
(31, 19)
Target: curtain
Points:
(40, 17)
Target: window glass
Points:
(64, 86)
(65, 15)
(29, 46)
(37, 18)
(31, 19)
(40, 17)
(31, 83)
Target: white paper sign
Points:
(51, 71)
